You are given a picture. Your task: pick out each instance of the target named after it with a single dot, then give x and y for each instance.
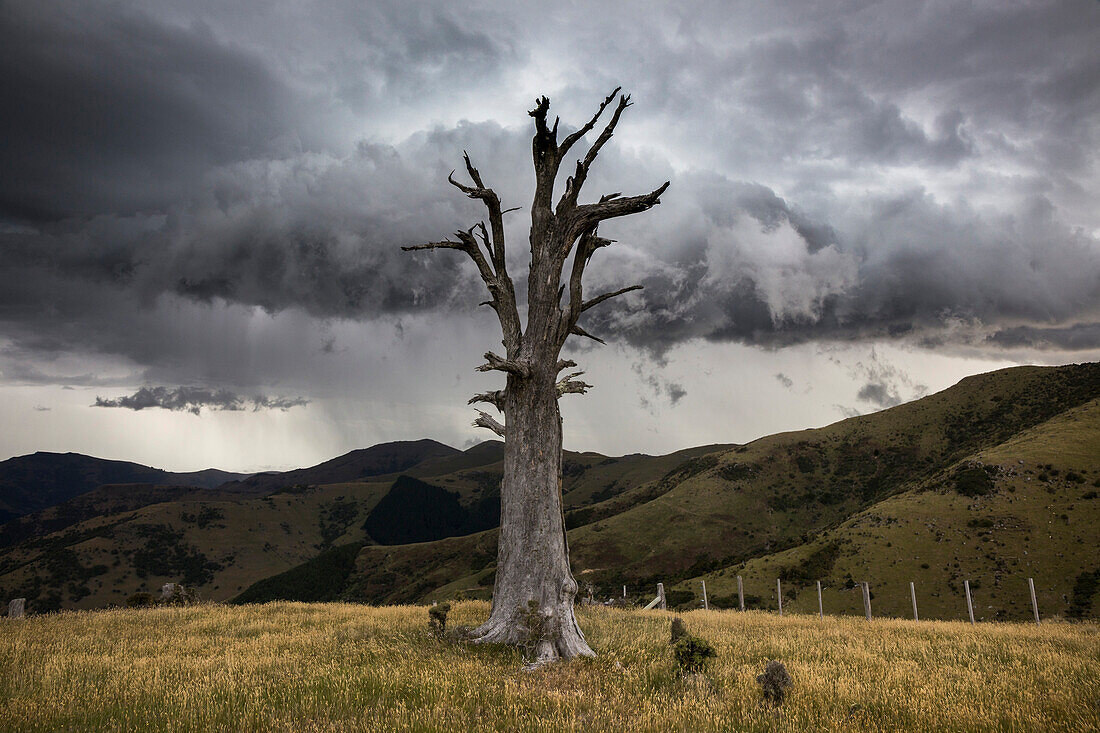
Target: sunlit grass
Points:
(290, 666)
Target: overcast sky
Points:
(202, 204)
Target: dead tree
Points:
(532, 555)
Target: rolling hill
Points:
(785, 492)
(36, 481)
(939, 479)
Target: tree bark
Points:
(532, 554)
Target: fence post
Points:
(779, 593)
(706, 606)
(624, 592)
(740, 594)
(1034, 603)
(661, 595)
(820, 609)
(913, 595)
(866, 599)
(969, 604)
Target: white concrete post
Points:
(624, 592)
(913, 595)
(867, 599)
(820, 608)
(706, 606)
(740, 594)
(661, 595)
(16, 607)
(1034, 603)
(779, 593)
(969, 604)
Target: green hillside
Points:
(1028, 507)
(938, 479)
(723, 508)
(102, 546)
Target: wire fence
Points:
(864, 587)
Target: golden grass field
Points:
(300, 667)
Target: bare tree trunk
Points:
(532, 555)
(534, 588)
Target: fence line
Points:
(865, 591)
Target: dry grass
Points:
(290, 666)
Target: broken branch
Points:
(570, 385)
(493, 361)
(485, 420)
(569, 140)
(578, 331)
(494, 398)
(607, 296)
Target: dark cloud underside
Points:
(864, 173)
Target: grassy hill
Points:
(857, 500)
(102, 546)
(719, 509)
(290, 666)
(1027, 507)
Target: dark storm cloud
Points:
(194, 399)
(229, 157)
(898, 266)
(109, 111)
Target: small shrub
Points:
(437, 618)
(141, 600)
(180, 595)
(974, 481)
(692, 654)
(774, 682)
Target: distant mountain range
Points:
(30, 483)
(992, 480)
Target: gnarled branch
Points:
(571, 385)
(607, 296)
(575, 182)
(588, 243)
(586, 216)
(445, 244)
(494, 398)
(485, 420)
(570, 139)
(496, 278)
(565, 364)
(493, 361)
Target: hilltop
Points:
(33, 482)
